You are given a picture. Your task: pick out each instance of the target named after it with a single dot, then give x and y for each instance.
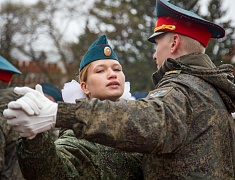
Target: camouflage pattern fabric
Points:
(184, 127)
(9, 167)
(70, 158)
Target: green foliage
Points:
(218, 48)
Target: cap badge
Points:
(107, 51)
(163, 27)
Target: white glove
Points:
(28, 103)
(29, 125)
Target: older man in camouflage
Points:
(9, 167)
(184, 127)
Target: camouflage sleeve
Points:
(7, 137)
(39, 159)
(149, 125)
(94, 161)
(2, 148)
(70, 158)
(9, 167)
(7, 95)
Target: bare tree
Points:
(41, 31)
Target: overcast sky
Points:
(227, 4)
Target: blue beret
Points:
(52, 90)
(175, 19)
(99, 49)
(7, 70)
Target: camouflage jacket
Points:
(184, 126)
(71, 158)
(9, 167)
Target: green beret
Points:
(52, 90)
(7, 70)
(99, 50)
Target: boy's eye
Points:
(117, 69)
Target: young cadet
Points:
(184, 127)
(100, 77)
(9, 167)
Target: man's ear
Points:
(175, 43)
(84, 88)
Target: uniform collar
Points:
(195, 61)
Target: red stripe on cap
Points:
(185, 27)
(5, 76)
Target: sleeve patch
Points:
(160, 92)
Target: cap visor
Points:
(153, 36)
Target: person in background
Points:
(184, 126)
(51, 92)
(54, 94)
(9, 167)
(100, 76)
